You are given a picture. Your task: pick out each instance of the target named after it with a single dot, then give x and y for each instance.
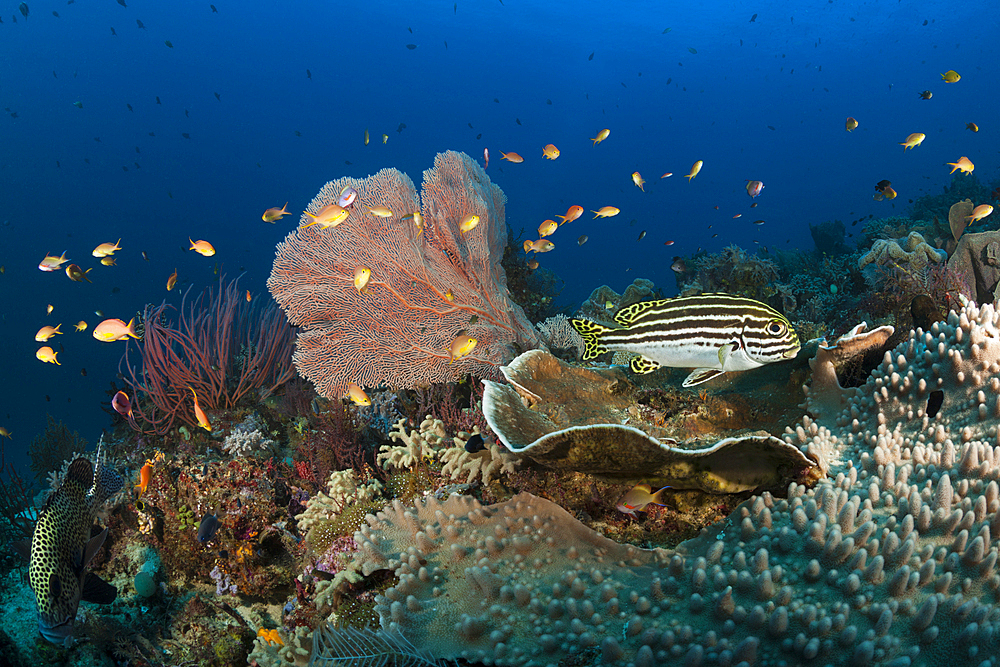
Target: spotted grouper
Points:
(62, 548)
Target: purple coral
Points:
(223, 585)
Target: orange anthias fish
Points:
(541, 245)
(547, 228)
(172, 280)
(47, 332)
(81, 326)
(47, 355)
(272, 214)
(106, 249)
(380, 211)
(248, 296)
(850, 124)
(978, 214)
(695, 168)
(52, 263)
(145, 473)
(572, 214)
(358, 395)
(76, 274)
(462, 346)
(270, 636)
(606, 212)
(108, 261)
(638, 497)
(637, 179)
(202, 247)
(5, 433)
(964, 163)
(511, 157)
(913, 140)
(330, 215)
(112, 330)
(200, 414)
(468, 223)
(550, 152)
(601, 136)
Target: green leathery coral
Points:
(889, 560)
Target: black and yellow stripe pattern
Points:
(713, 333)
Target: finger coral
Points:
(890, 560)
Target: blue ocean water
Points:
(275, 99)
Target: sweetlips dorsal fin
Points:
(81, 470)
(626, 316)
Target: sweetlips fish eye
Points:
(776, 327)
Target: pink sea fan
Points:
(426, 287)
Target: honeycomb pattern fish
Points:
(713, 333)
(62, 548)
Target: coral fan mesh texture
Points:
(426, 288)
(890, 560)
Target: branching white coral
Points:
(342, 491)
(417, 444)
(487, 462)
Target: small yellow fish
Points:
(366, 136)
(550, 152)
(695, 168)
(468, 223)
(511, 157)
(601, 136)
(52, 263)
(362, 275)
(978, 214)
(47, 332)
(851, 124)
(964, 163)
(172, 280)
(951, 76)
(49, 308)
(272, 214)
(380, 211)
(913, 140)
(109, 261)
(48, 355)
(541, 245)
(106, 249)
(449, 296)
(462, 346)
(418, 220)
(358, 395)
(76, 274)
(637, 179)
(638, 497)
(547, 228)
(385, 138)
(972, 126)
(80, 326)
(533, 264)
(330, 215)
(5, 433)
(202, 247)
(606, 212)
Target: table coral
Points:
(890, 560)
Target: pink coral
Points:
(426, 287)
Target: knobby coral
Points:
(429, 283)
(890, 560)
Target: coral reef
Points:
(51, 448)
(248, 438)
(733, 270)
(604, 302)
(561, 337)
(890, 559)
(912, 252)
(976, 265)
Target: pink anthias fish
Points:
(638, 497)
(123, 406)
(754, 188)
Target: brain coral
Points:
(891, 560)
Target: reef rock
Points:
(976, 262)
(912, 253)
(891, 560)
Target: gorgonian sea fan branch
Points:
(426, 287)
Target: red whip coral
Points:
(428, 284)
